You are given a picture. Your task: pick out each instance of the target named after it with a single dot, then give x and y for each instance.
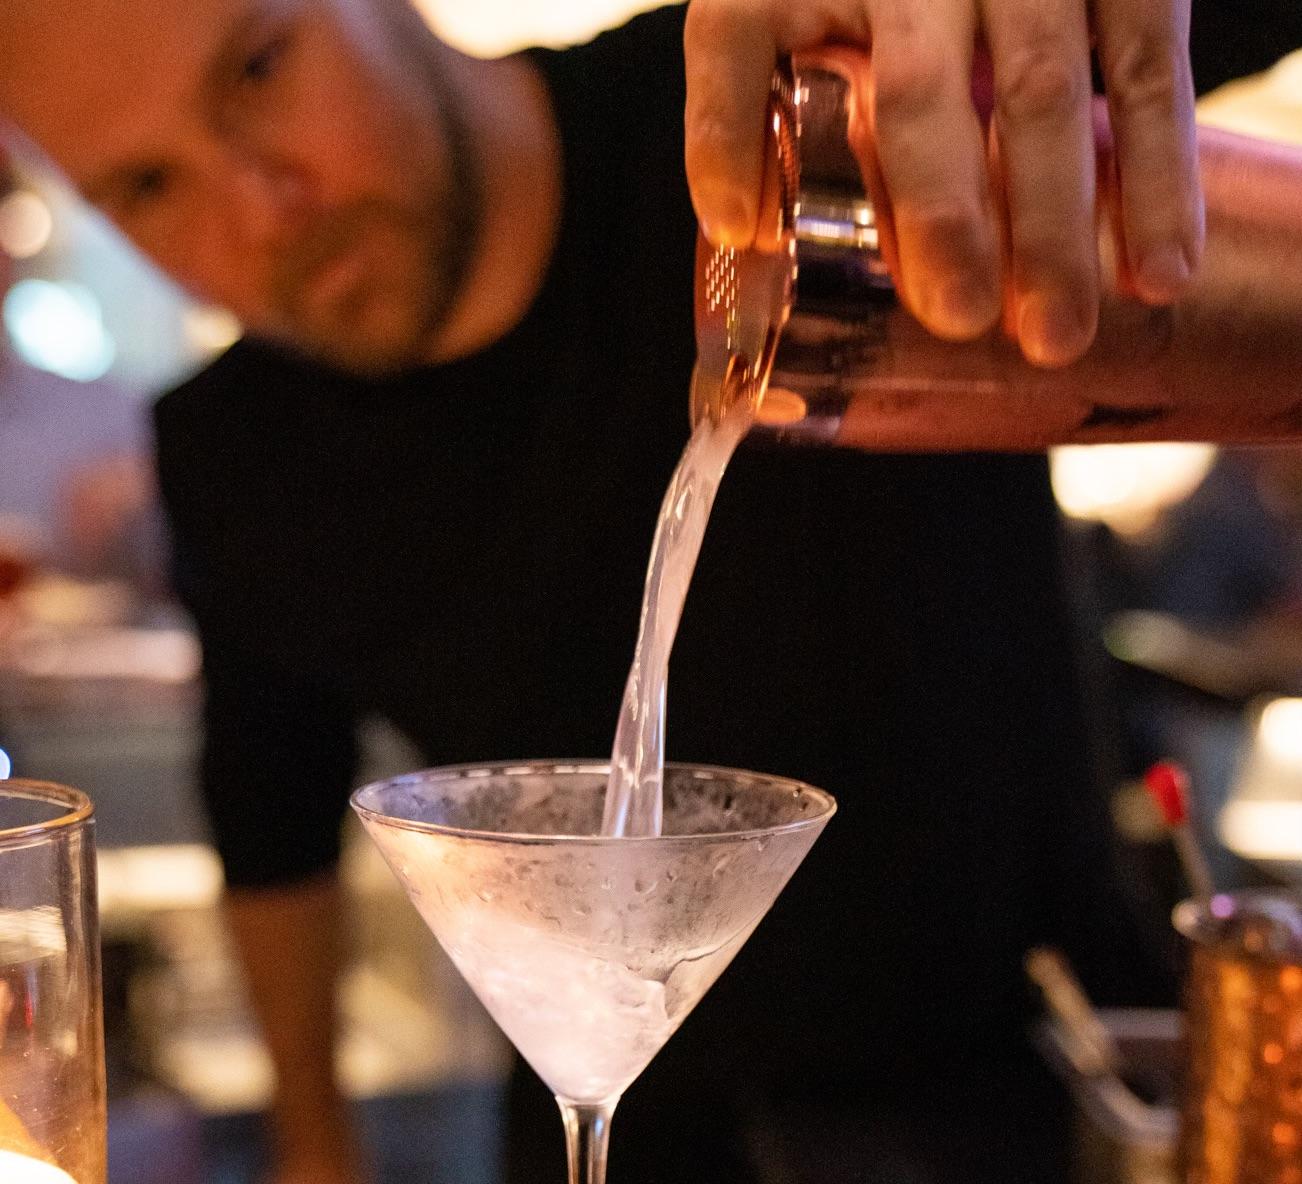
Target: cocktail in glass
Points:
(52, 1104)
(590, 950)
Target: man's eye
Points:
(261, 66)
(147, 185)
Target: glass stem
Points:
(587, 1135)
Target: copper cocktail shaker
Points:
(814, 315)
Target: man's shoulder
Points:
(657, 30)
(619, 105)
(223, 433)
(249, 375)
(617, 63)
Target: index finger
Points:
(731, 48)
(730, 57)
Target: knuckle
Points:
(951, 223)
(1041, 86)
(710, 139)
(950, 229)
(710, 23)
(908, 81)
(1146, 74)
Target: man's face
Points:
(296, 161)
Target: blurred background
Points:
(1185, 563)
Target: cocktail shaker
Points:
(810, 318)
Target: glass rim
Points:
(486, 769)
(78, 808)
(1200, 920)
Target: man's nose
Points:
(270, 200)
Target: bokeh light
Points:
(1127, 486)
(1263, 830)
(210, 331)
(26, 224)
(59, 327)
(1280, 730)
(491, 27)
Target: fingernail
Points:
(1163, 272)
(728, 223)
(1052, 330)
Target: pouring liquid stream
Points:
(634, 805)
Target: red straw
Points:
(1168, 785)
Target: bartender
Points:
(424, 486)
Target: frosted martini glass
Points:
(589, 950)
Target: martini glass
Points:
(589, 950)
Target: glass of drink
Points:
(1243, 1097)
(52, 1103)
(587, 949)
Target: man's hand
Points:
(971, 226)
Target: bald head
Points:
(81, 76)
(294, 160)
(75, 73)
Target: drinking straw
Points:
(1093, 1051)
(1168, 785)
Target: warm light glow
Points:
(1127, 486)
(1267, 105)
(59, 327)
(37, 931)
(780, 407)
(1263, 830)
(40, 650)
(154, 879)
(22, 1169)
(211, 330)
(491, 27)
(1280, 730)
(26, 224)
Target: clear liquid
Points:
(588, 960)
(21, 1169)
(49, 1102)
(634, 803)
(587, 1024)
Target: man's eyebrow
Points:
(222, 64)
(102, 187)
(99, 187)
(115, 180)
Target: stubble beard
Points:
(444, 231)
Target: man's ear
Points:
(8, 174)
(8, 183)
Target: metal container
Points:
(810, 313)
(1126, 1118)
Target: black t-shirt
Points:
(461, 551)
(1231, 38)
